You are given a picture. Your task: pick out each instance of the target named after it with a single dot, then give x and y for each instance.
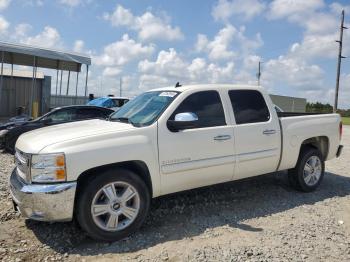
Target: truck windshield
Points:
(145, 108)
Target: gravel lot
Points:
(259, 219)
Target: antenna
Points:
(178, 84)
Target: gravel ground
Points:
(259, 219)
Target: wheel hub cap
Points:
(115, 206)
(312, 170)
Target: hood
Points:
(10, 125)
(34, 141)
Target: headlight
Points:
(3, 132)
(48, 168)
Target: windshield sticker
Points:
(169, 94)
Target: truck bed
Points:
(298, 127)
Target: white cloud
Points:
(121, 52)
(4, 25)
(22, 30)
(337, 8)
(70, 3)
(291, 72)
(224, 9)
(221, 47)
(49, 37)
(148, 26)
(111, 71)
(4, 4)
(170, 67)
(168, 64)
(79, 46)
(293, 9)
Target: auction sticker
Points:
(169, 94)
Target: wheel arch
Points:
(320, 142)
(137, 166)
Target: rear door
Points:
(199, 156)
(257, 134)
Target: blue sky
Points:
(156, 43)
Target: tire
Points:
(9, 145)
(92, 198)
(309, 170)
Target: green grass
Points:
(346, 120)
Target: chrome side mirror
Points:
(182, 121)
(186, 117)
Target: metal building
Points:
(17, 89)
(34, 94)
(289, 103)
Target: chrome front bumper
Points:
(43, 202)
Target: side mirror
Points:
(46, 121)
(183, 121)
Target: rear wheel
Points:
(309, 170)
(113, 205)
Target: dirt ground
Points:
(259, 219)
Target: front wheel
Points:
(113, 205)
(309, 170)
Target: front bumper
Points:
(43, 202)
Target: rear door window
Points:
(249, 106)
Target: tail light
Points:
(340, 129)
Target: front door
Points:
(198, 156)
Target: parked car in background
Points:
(59, 115)
(112, 102)
(104, 173)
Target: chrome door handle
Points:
(269, 132)
(222, 137)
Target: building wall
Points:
(63, 100)
(289, 104)
(16, 92)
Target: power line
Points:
(340, 57)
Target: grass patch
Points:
(346, 120)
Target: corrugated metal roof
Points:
(20, 54)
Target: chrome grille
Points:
(22, 165)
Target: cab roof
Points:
(207, 86)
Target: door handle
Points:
(222, 137)
(269, 132)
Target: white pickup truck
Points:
(103, 173)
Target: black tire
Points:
(296, 175)
(87, 194)
(9, 144)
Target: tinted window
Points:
(206, 105)
(62, 115)
(249, 106)
(119, 102)
(86, 113)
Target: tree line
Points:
(325, 108)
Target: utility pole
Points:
(258, 75)
(340, 57)
(120, 87)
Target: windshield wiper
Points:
(123, 120)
